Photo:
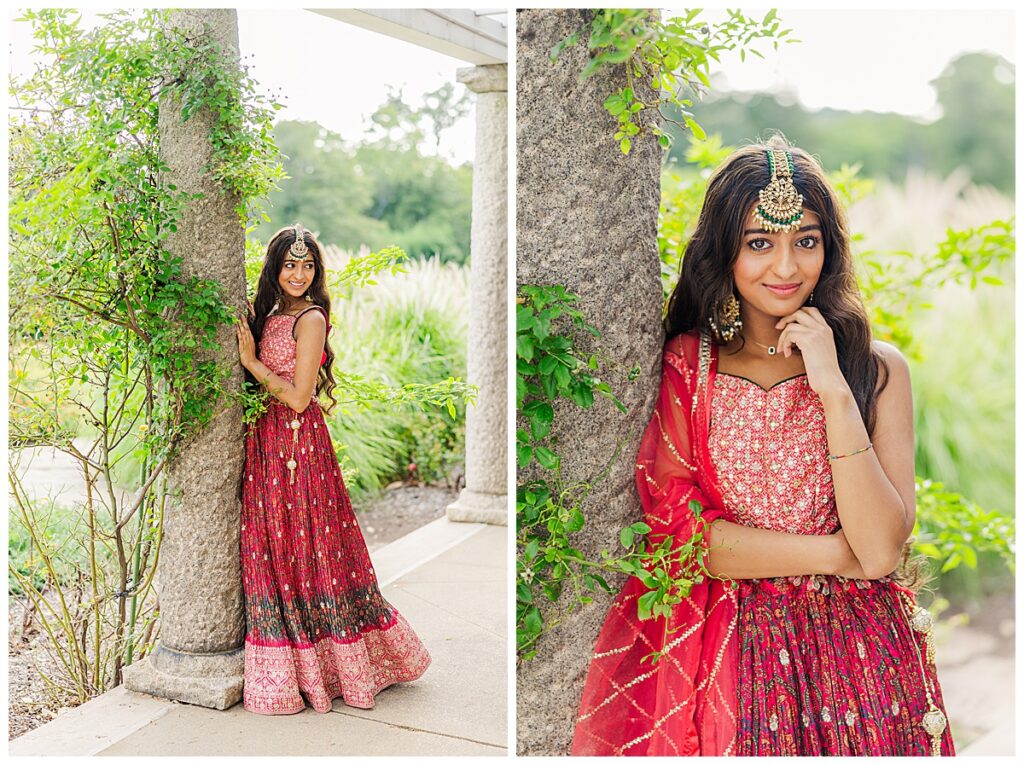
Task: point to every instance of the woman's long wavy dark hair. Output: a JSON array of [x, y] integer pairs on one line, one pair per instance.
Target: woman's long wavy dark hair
[[706, 278], [268, 292]]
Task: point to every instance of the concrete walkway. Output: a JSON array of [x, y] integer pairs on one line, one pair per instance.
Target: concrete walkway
[[976, 674], [448, 579]]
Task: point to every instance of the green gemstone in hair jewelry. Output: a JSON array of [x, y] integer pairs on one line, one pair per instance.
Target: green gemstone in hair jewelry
[[780, 206]]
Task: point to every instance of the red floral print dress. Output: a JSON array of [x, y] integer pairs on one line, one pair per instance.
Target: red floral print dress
[[316, 624], [827, 665]]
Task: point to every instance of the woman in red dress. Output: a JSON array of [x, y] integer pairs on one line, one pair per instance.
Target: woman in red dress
[[316, 624], [793, 431]]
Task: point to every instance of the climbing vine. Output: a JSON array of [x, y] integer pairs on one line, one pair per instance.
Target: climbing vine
[[549, 509], [672, 56], [112, 346]]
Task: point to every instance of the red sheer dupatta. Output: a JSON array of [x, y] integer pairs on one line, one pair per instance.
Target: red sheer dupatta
[[685, 703]]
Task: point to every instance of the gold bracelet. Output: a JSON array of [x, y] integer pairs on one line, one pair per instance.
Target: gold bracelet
[[834, 457]]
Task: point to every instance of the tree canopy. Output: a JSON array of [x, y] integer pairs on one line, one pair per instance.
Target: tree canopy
[[976, 130], [383, 190]]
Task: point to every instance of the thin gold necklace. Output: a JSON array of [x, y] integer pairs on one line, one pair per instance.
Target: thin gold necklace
[[772, 351]]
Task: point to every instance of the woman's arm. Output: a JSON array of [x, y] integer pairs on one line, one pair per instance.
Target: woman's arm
[[311, 333], [668, 481], [875, 489], [744, 552]]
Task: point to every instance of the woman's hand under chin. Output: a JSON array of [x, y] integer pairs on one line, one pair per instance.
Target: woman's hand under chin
[[807, 331]]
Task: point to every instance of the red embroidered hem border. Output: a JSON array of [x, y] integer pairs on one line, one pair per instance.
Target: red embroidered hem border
[[354, 671]]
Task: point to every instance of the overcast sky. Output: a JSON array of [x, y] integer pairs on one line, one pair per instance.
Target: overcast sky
[[338, 74], [875, 60]]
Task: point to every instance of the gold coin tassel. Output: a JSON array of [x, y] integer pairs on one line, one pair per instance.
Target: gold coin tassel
[[933, 721], [292, 464]]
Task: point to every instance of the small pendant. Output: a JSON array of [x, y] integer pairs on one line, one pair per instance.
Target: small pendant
[[771, 350], [934, 723], [921, 621]]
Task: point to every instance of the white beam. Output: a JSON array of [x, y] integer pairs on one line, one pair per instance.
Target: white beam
[[459, 33]]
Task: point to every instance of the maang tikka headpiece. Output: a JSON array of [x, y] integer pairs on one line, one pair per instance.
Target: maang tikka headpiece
[[781, 207], [298, 251]]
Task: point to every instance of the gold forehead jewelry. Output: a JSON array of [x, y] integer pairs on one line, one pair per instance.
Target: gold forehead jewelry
[[780, 207], [298, 252]]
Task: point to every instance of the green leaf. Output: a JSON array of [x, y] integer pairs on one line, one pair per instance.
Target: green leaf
[[952, 562], [532, 620], [970, 556], [539, 428], [562, 376], [696, 129], [524, 347], [524, 455], [582, 396], [644, 604], [546, 457], [575, 523], [542, 411], [524, 317], [531, 549]]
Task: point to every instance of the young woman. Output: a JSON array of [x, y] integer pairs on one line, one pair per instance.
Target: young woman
[[794, 432], [316, 622]]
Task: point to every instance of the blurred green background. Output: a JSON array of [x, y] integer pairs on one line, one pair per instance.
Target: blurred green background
[[914, 180]]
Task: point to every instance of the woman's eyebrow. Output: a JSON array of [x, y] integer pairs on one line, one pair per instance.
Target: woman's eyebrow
[[810, 227]]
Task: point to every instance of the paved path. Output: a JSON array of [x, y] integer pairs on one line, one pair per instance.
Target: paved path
[[448, 580], [976, 672]]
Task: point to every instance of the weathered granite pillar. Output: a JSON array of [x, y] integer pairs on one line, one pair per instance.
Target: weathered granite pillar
[[485, 498], [586, 218], [199, 658]]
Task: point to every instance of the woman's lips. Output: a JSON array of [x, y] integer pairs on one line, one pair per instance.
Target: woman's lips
[[783, 289]]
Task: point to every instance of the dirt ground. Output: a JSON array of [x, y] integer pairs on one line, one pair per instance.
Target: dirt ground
[[400, 511], [392, 515]]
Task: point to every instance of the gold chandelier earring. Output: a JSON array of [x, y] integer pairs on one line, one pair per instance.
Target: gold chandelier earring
[[725, 319]]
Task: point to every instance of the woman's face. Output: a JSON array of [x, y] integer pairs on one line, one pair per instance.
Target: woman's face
[[776, 272], [295, 278]]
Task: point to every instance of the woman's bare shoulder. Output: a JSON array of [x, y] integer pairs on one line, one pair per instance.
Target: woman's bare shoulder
[[311, 319], [897, 375]]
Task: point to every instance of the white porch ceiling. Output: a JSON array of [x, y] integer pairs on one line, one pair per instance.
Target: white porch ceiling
[[475, 36]]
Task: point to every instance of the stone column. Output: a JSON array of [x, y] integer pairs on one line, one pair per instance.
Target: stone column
[[199, 658], [485, 498], [586, 218]]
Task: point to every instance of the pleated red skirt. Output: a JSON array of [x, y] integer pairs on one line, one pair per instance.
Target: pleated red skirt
[[316, 623]]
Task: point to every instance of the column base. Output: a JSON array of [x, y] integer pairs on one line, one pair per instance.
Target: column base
[[475, 507], [206, 680]]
